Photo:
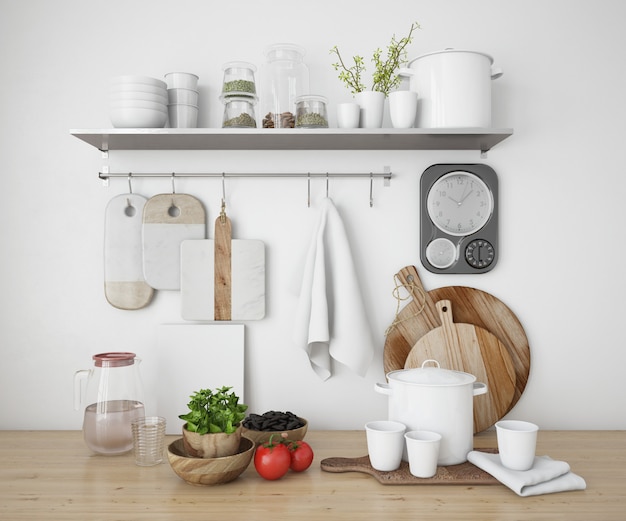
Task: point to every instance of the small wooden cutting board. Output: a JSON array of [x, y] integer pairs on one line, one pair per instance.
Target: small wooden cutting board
[[463, 474], [473, 350]]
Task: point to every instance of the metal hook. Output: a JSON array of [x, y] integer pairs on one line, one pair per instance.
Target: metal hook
[[223, 209], [371, 189], [326, 184], [130, 184], [173, 184], [308, 186]]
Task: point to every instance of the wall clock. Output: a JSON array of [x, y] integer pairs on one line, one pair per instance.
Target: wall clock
[[459, 218]]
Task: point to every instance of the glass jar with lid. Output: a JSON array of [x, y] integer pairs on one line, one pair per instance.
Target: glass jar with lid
[[284, 77], [239, 112], [239, 79], [311, 111]]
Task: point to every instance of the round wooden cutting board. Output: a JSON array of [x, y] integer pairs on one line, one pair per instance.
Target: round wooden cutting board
[[473, 350], [471, 306]]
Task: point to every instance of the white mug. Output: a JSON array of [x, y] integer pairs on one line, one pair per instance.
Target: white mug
[[423, 451], [385, 443], [517, 442], [403, 108], [348, 115]]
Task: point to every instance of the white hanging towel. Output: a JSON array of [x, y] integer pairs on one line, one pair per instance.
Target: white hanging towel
[[330, 318]]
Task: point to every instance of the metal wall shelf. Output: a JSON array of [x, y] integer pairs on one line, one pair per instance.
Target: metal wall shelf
[[482, 139]]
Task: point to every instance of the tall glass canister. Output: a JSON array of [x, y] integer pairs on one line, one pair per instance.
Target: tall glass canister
[[284, 76]]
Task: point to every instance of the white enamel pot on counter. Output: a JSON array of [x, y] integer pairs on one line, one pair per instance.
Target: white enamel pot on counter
[[453, 88], [429, 398]]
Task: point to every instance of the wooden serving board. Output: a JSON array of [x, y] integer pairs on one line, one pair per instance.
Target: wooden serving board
[[463, 474], [222, 279], [169, 219], [471, 306], [124, 284], [474, 350]]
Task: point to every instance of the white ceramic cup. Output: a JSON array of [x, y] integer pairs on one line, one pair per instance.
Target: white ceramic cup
[[385, 443], [517, 443], [348, 115], [403, 108], [423, 451]]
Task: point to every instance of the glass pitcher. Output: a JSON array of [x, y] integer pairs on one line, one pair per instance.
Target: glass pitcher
[[114, 397]]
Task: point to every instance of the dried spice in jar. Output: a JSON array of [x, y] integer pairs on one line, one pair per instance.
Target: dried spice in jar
[[283, 120], [238, 112], [311, 111], [239, 79]]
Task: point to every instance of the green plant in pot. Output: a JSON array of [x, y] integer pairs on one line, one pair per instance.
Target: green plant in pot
[[385, 77], [213, 428]]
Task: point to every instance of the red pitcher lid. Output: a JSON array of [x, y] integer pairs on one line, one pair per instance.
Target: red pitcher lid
[[118, 359]]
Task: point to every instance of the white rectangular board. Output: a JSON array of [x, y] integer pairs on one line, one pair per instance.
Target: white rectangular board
[[191, 357]]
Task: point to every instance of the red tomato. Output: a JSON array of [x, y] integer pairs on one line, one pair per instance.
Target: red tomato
[[272, 460], [301, 455]]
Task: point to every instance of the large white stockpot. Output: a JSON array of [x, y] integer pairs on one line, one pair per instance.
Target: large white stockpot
[[435, 399], [453, 88]]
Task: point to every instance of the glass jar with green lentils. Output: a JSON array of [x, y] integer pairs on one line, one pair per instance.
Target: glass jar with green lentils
[[239, 79]]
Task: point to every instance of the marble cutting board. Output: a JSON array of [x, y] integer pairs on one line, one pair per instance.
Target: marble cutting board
[[124, 284], [169, 219], [222, 279]]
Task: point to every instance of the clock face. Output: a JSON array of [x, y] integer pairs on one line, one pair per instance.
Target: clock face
[[459, 203]]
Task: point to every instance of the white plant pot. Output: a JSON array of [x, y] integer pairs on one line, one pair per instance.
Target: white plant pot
[[372, 105]]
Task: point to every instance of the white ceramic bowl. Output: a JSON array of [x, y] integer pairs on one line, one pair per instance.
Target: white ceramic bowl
[[139, 104], [185, 96], [137, 87], [183, 116], [181, 80], [138, 96], [144, 80], [136, 117]]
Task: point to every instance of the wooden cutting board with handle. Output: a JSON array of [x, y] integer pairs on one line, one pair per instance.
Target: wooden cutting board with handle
[[124, 283], [473, 350], [169, 219], [462, 474], [471, 306], [222, 279]]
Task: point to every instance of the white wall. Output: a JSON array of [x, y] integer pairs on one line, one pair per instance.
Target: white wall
[[562, 186]]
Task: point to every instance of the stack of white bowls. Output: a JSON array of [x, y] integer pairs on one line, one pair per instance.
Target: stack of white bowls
[[182, 92], [138, 102]]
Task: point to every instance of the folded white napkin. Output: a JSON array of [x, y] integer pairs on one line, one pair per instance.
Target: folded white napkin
[[545, 477], [330, 321]]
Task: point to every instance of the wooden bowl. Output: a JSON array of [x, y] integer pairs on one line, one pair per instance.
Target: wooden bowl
[[209, 471], [260, 437]]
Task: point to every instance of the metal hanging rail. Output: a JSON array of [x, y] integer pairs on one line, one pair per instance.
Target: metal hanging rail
[[106, 175]]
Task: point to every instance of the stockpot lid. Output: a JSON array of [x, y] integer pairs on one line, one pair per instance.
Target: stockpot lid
[[431, 376], [450, 50]]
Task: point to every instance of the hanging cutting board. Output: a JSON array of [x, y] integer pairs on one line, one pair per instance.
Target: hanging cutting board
[[473, 350], [190, 357], [169, 219], [124, 283], [471, 306], [222, 279]]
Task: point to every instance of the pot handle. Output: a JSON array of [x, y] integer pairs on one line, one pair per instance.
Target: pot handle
[[383, 389], [496, 72], [480, 388], [404, 72]]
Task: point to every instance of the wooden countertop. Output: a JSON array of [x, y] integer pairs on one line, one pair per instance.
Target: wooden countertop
[[52, 475]]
